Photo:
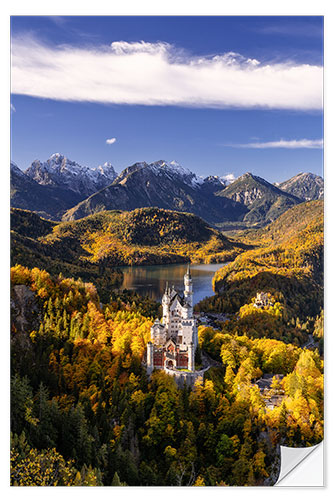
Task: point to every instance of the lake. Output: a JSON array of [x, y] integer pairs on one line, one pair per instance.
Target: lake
[[151, 280]]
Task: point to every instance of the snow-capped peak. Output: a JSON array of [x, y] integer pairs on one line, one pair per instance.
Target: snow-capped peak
[[174, 168], [62, 172], [172, 165], [106, 169], [57, 157], [215, 179]]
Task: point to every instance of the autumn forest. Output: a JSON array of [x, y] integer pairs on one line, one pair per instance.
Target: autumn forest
[[83, 410]]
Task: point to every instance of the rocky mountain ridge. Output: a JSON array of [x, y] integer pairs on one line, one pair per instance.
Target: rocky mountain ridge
[[305, 186], [61, 188], [48, 201], [164, 185], [264, 201]]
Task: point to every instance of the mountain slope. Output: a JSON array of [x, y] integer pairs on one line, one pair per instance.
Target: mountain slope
[[305, 186], [288, 226], [161, 185], [59, 171], [49, 201], [263, 201]]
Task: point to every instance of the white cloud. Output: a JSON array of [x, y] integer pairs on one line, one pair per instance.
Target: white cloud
[[291, 144], [122, 47], [111, 141], [159, 74], [228, 178]]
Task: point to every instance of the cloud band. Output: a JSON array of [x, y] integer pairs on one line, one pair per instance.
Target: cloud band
[[158, 74], [291, 144]]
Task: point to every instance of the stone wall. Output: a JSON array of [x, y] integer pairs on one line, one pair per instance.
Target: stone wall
[[187, 378]]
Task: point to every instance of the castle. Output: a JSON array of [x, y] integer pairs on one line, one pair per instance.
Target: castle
[[262, 300], [175, 337]]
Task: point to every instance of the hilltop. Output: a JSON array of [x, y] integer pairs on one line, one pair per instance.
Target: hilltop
[[91, 247]]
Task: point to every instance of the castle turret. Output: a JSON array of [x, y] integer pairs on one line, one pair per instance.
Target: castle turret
[[150, 358], [191, 365], [188, 293], [186, 313], [166, 306]]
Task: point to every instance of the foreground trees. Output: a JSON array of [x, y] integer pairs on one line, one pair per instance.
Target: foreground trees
[[83, 411]]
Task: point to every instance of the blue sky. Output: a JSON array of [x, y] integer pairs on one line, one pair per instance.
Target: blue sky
[[220, 95]]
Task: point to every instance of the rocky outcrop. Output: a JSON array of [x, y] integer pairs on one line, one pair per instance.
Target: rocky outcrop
[[25, 314]]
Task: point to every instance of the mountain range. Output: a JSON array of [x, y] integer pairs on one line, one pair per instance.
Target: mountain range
[[62, 189]]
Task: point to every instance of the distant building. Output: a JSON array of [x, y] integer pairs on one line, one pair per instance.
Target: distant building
[[174, 339], [262, 300]]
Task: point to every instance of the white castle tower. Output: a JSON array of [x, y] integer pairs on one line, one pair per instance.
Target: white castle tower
[[188, 292], [166, 305]]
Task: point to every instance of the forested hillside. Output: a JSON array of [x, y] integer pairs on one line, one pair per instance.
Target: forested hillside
[[83, 411], [28, 248], [286, 262]]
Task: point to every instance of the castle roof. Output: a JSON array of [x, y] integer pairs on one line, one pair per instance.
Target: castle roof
[[180, 299], [170, 295]]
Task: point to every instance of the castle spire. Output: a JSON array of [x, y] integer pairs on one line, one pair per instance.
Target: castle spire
[[188, 292], [188, 273]]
